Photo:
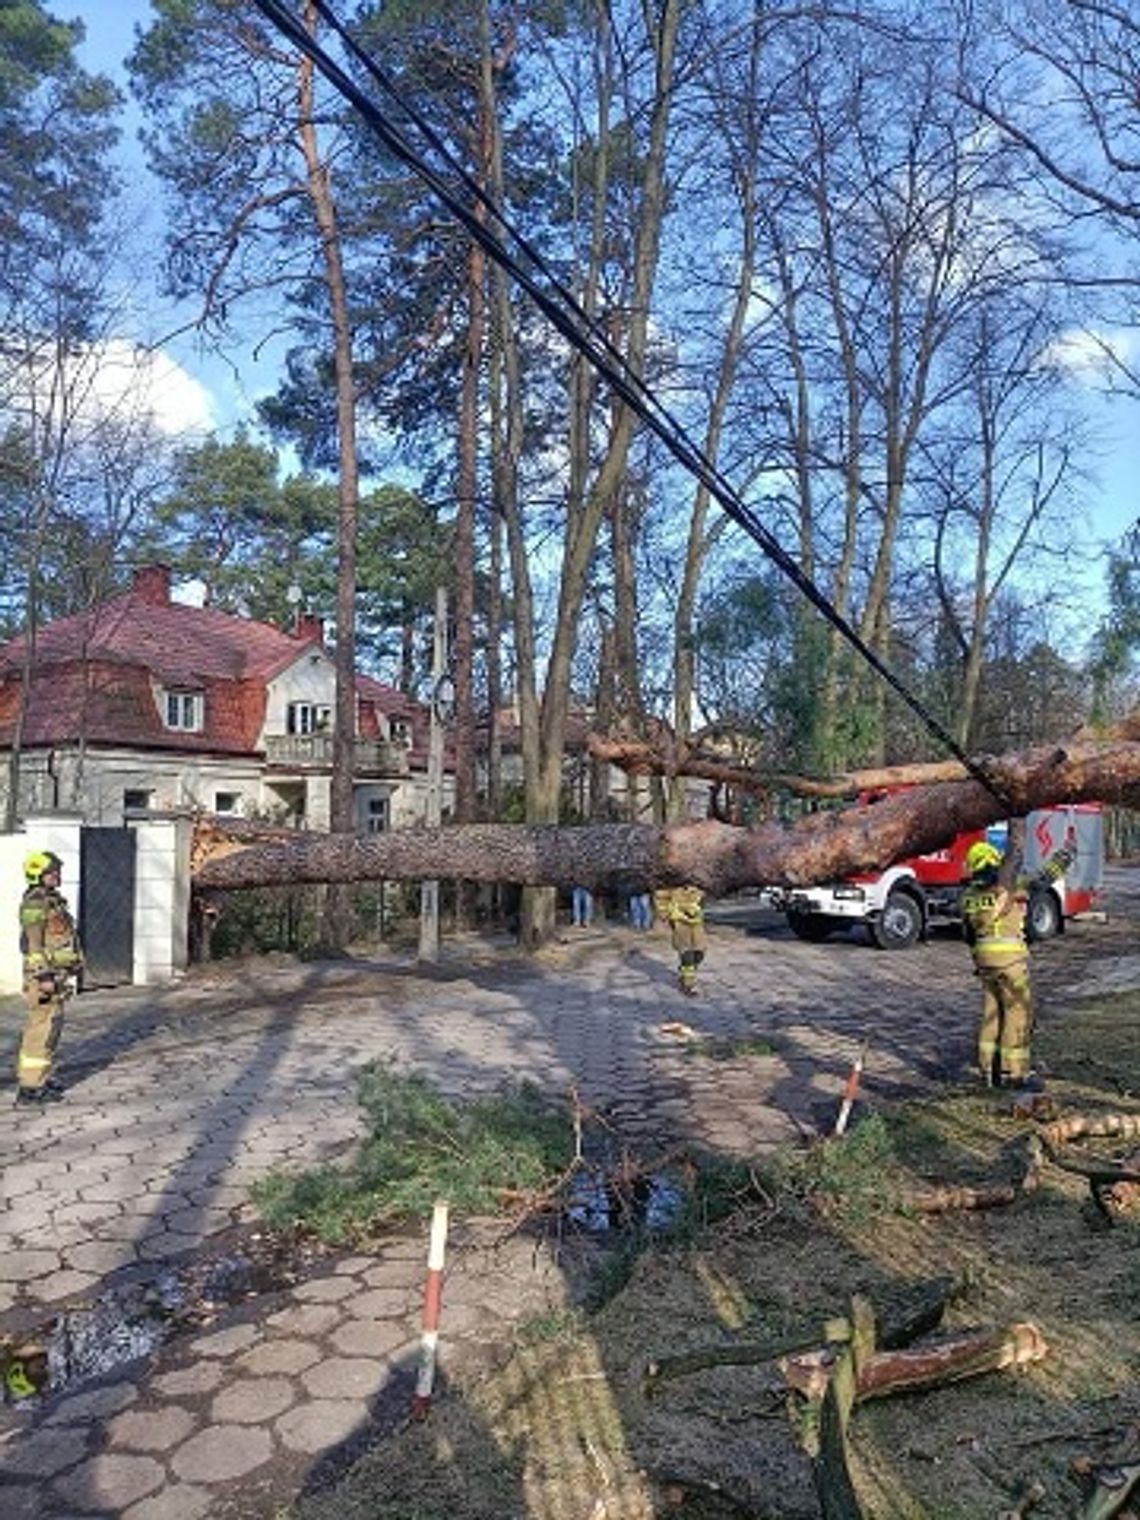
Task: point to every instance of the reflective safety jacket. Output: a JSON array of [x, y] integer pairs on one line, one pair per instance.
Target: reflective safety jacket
[[679, 905], [993, 914], [48, 938]]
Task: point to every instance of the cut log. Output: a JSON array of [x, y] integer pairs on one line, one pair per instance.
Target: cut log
[[927, 1366], [959, 1356], [944, 1200], [715, 856], [916, 1313]]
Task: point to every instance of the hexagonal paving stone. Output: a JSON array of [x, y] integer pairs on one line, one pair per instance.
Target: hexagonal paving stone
[[179, 1501], [278, 1357], [353, 1264], [64, 1284], [249, 1401], [305, 1319], [382, 1303], [347, 1377], [222, 1452], [320, 1425], [110, 1481], [370, 1337], [225, 1342], [202, 1377], [26, 1266], [151, 1430], [99, 1255], [324, 1290]]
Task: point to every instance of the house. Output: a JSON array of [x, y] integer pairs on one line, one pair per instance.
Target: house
[[145, 704]]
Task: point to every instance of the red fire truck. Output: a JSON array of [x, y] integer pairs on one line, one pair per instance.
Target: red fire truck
[[899, 904]]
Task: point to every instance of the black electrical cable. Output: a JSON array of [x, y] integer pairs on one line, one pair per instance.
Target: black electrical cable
[[580, 331]]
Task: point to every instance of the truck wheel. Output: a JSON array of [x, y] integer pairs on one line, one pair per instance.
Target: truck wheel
[[813, 927], [899, 925], [1043, 915]]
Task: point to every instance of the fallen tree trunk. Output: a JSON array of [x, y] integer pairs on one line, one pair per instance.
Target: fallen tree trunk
[[715, 856]]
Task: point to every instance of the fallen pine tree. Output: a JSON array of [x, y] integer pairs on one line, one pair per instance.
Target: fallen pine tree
[[719, 857]]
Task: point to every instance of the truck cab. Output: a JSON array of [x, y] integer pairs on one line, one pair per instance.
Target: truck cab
[[899, 905]]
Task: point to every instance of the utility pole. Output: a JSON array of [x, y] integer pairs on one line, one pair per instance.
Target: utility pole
[[440, 711]]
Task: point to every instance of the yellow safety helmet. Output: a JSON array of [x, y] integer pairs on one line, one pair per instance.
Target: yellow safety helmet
[[982, 856], [39, 863]]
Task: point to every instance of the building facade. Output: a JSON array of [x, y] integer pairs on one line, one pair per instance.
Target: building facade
[[144, 704]]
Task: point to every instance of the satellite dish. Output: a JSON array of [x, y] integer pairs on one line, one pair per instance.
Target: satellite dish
[[294, 596]]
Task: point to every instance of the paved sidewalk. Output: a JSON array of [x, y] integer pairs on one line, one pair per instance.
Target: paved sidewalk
[[181, 1097]]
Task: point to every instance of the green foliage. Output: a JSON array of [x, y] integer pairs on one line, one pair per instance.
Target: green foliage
[[420, 1147], [851, 1177]]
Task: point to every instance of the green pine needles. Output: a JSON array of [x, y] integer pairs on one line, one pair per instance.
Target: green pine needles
[[484, 1156]]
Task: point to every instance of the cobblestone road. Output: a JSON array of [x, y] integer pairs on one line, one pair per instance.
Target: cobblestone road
[[179, 1098]]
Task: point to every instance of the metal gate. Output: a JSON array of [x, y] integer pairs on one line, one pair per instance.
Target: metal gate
[[107, 905]]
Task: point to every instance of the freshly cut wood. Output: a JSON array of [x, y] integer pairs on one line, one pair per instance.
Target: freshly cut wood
[[1101, 1172], [944, 1200], [928, 1366], [957, 1357], [917, 1312], [718, 857]]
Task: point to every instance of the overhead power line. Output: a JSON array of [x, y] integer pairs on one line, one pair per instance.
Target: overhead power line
[[517, 255]]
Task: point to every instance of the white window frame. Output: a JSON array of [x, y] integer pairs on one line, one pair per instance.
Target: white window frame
[[308, 718], [231, 812], [183, 711]]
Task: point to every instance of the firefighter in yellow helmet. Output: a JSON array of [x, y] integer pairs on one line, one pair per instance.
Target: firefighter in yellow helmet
[[682, 909], [993, 905], [50, 947]]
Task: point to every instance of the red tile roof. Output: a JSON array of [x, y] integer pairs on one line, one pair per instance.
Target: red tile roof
[[96, 673], [182, 646]]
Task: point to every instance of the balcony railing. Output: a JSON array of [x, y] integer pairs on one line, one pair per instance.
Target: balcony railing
[[374, 757]]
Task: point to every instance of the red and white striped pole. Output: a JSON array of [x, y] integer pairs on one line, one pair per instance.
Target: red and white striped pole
[[850, 1092], [433, 1299]]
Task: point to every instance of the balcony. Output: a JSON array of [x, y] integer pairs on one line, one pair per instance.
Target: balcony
[[313, 752]]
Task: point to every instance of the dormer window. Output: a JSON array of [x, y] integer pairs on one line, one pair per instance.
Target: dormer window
[[184, 711], [307, 718], [400, 731]]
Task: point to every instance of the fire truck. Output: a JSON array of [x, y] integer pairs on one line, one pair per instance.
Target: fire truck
[[898, 905]]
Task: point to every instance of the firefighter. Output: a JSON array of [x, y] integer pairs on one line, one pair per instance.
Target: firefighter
[[50, 947], [681, 908], [993, 905]]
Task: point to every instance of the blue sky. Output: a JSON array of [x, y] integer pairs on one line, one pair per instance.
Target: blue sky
[[1112, 501]]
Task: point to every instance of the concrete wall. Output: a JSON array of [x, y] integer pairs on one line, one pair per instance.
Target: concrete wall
[[162, 898]]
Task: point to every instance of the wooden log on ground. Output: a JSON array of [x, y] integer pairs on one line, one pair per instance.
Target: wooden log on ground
[[917, 1312], [929, 1366], [944, 1200]]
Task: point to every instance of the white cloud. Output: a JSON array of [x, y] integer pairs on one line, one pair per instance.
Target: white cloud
[[112, 381], [1092, 355], [138, 380]]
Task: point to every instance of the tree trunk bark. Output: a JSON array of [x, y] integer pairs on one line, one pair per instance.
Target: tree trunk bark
[[717, 857], [337, 911]]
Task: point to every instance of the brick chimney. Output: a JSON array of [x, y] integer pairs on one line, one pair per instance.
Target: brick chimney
[[308, 627], [152, 584]]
